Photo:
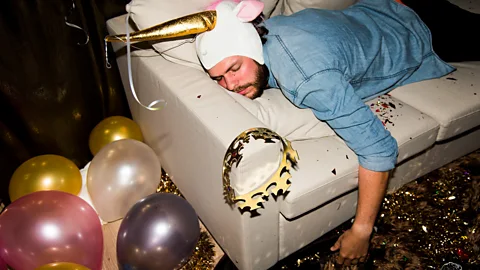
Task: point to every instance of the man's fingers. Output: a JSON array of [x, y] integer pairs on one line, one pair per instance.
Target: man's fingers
[[336, 245], [354, 261], [346, 262]]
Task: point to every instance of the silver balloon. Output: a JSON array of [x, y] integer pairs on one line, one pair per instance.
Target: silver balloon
[[159, 232], [120, 174]]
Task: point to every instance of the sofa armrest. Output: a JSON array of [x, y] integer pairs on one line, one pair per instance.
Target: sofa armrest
[[191, 136]]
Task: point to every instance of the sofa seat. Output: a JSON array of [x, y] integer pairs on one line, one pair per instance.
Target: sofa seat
[[453, 100], [329, 170], [433, 110]]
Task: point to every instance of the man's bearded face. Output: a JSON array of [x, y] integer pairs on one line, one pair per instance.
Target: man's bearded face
[[241, 75]]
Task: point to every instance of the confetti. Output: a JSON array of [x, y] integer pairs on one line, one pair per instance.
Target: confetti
[[199, 96], [334, 171], [420, 226], [384, 108]]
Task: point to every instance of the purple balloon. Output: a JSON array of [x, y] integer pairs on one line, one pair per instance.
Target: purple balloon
[[159, 232], [50, 226]]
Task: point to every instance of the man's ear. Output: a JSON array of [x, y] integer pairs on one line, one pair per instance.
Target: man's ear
[[248, 10]]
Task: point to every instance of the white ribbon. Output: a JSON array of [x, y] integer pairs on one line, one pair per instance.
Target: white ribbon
[[150, 107]]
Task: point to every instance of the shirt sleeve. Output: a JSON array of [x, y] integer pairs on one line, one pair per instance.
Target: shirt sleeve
[[334, 100]]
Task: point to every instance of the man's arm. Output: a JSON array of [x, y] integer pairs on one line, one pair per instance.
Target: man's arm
[[334, 100], [371, 190], [353, 244]]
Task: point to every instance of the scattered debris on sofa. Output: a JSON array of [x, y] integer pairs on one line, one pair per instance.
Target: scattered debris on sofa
[[384, 108]]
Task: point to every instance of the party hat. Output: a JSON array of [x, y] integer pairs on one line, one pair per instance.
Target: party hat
[[181, 27]]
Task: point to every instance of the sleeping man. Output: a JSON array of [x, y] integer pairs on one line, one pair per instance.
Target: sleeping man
[[332, 62]]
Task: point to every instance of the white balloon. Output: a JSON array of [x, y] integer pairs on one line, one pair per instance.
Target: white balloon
[[84, 191], [119, 175]]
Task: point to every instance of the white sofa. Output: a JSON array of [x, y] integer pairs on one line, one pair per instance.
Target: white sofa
[[434, 123]]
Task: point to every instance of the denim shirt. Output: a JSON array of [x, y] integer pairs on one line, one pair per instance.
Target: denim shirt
[[334, 61]]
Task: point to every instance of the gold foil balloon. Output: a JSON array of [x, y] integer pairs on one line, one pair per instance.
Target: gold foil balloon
[[112, 129], [62, 266], [45, 172]]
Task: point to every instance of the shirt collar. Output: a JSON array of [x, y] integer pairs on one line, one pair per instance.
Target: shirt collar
[[272, 83]]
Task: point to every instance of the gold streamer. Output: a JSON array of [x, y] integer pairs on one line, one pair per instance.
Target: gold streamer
[[202, 257], [166, 185]]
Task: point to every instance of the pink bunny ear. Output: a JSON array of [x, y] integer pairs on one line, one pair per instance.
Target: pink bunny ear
[[248, 10], [213, 5]]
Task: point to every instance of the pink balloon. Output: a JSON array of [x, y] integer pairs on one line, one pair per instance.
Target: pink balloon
[[3, 265], [50, 226]]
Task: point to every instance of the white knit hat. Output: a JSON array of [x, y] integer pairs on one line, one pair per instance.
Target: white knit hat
[[233, 34]]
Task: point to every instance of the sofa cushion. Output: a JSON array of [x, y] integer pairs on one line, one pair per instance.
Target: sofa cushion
[[328, 168], [261, 160], [280, 115], [453, 100], [472, 6], [147, 13]]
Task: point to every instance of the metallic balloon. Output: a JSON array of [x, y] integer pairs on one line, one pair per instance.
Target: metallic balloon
[[159, 232], [47, 226], [3, 265], [112, 129], [62, 266], [119, 175], [46, 172]]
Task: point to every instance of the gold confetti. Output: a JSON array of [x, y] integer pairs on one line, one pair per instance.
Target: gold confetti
[[426, 223]]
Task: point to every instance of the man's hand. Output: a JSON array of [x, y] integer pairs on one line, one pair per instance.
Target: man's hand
[[353, 245]]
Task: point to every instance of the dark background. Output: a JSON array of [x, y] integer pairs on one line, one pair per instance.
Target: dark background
[[54, 88]]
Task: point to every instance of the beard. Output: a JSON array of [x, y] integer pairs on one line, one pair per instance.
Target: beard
[[259, 84]]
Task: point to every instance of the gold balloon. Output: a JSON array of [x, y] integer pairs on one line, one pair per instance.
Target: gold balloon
[[45, 172], [62, 266], [112, 129]]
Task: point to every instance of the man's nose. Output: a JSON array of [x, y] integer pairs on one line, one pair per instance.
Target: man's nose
[[230, 83]]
